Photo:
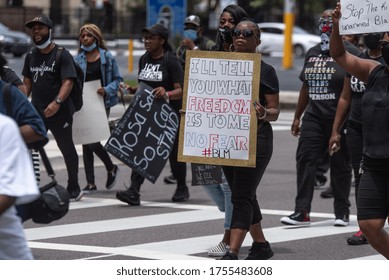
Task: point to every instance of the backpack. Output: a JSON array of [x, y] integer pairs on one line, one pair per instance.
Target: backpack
[[78, 84]]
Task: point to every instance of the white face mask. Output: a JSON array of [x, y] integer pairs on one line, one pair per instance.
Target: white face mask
[[45, 43]]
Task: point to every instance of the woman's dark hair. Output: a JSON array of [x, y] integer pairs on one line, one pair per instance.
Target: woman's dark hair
[[238, 14]]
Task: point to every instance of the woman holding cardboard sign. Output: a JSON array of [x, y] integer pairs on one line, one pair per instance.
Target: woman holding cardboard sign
[[244, 181], [160, 69]]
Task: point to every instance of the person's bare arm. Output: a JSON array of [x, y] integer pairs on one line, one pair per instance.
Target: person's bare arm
[[354, 65], [302, 103]]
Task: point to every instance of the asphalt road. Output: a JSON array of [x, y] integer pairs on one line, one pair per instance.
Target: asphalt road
[[100, 227]]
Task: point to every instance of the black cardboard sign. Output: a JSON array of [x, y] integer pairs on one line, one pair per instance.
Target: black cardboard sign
[[144, 136]]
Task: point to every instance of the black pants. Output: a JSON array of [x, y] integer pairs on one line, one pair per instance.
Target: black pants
[[244, 181], [312, 146], [62, 132], [355, 146], [87, 154]]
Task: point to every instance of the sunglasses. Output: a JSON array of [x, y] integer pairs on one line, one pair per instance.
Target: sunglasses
[[384, 43], [247, 33]]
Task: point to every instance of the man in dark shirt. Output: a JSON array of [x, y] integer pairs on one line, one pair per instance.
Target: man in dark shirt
[[50, 84]]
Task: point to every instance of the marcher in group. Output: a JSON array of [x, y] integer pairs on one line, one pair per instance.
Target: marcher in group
[[31, 125], [322, 85], [193, 38], [244, 181], [50, 85], [160, 69], [17, 186], [98, 63], [357, 41], [349, 109], [221, 193], [373, 199]]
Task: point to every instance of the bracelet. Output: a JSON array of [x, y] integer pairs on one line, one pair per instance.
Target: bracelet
[[166, 95], [169, 94], [263, 116]]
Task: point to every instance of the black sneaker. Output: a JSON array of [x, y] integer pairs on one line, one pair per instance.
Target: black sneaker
[[341, 220], [320, 181], [76, 195], [129, 196], [229, 256], [89, 189], [181, 194], [297, 218], [260, 251], [357, 239], [170, 180], [111, 177], [327, 193]]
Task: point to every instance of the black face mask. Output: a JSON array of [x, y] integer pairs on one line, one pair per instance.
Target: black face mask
[[226, 34], [385, 54], [372, 41]]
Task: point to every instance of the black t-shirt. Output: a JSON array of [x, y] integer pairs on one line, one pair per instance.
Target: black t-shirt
[[375, 114], [269, 82], [47, 76], [324, 78], [93, 71], [164, 71], [358, 89]]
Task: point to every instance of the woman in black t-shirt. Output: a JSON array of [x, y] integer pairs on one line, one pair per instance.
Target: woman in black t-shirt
[[160, 69], [244, 181], [373, 194]]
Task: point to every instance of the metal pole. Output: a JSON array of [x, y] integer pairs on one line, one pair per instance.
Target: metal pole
[[287, 61], [130, 56]]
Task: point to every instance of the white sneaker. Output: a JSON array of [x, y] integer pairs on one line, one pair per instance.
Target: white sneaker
[[219, 250]]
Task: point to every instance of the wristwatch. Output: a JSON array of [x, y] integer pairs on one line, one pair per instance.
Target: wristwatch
[[58, 100]]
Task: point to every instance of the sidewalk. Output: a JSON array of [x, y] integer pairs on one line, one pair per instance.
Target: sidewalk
[[288, 100]]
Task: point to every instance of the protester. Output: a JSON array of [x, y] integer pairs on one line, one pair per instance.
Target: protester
[[160, 69], [98, 63], [192, 38], [17, 186], [349, 108], [221, 193], [50, 84], [244, 181], [322, 85], [373, 200]]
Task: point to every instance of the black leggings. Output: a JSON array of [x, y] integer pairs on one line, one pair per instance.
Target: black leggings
[[244, 181]]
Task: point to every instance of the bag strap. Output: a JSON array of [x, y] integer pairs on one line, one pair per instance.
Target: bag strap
[[7, 98], [46, 162]]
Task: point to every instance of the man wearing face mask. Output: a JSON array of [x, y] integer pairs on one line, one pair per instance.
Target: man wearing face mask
[[192, 38], [322, 85], [50, 84], [349, 107]]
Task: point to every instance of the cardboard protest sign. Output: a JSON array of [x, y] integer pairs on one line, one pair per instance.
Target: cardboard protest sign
[[144, 136], [364, 16], [219, 125], [206, 174], [90, 124]]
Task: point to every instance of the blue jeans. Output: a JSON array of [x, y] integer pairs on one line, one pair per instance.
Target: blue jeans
[[221, 195]]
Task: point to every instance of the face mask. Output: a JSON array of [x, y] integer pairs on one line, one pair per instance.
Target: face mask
[[190, 34], [385, 54], [325, 28], [372, 41], [46, 40], [90, 48], [226, 35]]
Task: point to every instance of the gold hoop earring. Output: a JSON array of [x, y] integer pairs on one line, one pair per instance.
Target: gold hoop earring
[[231, 48]]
